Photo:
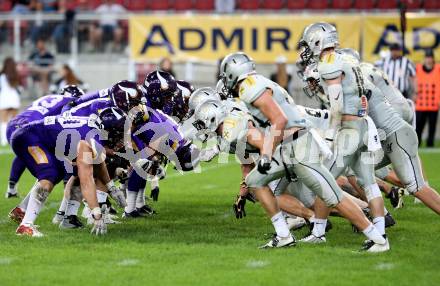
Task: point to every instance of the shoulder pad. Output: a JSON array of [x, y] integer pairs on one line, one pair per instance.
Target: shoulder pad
[[330, 66], [235, 126], [252, 87]]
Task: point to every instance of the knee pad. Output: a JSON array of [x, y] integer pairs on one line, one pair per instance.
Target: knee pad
[[372, 192]]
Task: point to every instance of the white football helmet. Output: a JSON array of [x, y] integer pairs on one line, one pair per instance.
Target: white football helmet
[[209, 115], [201, 95], [235, 67], [317, 37]]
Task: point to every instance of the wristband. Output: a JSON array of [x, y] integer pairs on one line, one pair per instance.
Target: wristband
[[96, 211]]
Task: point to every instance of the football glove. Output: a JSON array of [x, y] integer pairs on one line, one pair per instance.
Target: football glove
[[99, 226], [238, 207], [264, 164], [118, 196], [206, 155]]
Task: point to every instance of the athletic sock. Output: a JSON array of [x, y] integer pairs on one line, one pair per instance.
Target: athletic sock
[[280, 225], [373, 234], [72, 208], [34, 206], [140, 199], [131, 201], [24, 203], [379, 223], [154, 183], [319, 227], [63, 206], [12, 189], [3, 139]]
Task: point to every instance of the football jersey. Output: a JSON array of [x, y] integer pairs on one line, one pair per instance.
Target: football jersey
[[62, 134], [160, 133], [89, 107], [103, 93], [391, 93], [48, 105], [254, 86], [333, 65]]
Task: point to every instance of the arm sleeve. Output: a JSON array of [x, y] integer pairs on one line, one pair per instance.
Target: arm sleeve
[[336, 108]]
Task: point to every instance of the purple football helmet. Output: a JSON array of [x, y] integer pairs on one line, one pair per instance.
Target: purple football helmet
[[161, 88], [126, 95], [112, 120], [72, 90], [186, 88]]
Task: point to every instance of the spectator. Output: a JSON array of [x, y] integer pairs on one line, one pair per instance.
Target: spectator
[[21, 6], [108, 28], [281, 76], [63, 32], [9, 96], [428, 97], [224, 6], [400, 71], [166, 65], [42, 65], [68, 77]]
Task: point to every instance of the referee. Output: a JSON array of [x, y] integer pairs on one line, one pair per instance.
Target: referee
[[400, 70]]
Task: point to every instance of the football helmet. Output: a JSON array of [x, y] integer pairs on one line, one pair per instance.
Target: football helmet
[[209, 115], [112, 121], [316, 38], [71, 90], [161, 89], [201, 95], [126, 95], [235, 67]]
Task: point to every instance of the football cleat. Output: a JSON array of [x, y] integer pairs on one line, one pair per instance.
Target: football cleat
[[396, 197], [146, 210], [59, 216], [133, 214], [371, 246], [295, 223], [278, 242], [28, 230], [71, 222], [389, 220], [12, 192], [312, 239], [17, 214]]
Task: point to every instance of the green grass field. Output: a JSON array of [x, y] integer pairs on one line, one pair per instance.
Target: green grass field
[[196, 240]]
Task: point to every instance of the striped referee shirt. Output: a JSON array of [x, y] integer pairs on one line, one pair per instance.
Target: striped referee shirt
[[399, 71]]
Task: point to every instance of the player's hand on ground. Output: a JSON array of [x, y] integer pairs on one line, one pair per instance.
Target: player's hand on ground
[[118, 196], [238, 207], [99, 226], [206, 155]]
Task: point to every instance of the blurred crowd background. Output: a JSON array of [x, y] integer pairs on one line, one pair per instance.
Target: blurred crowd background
[[46, 44]]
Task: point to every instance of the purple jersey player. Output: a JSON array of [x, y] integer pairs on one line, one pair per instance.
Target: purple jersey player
[[49, 145], [45, 106], [159, 135]]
